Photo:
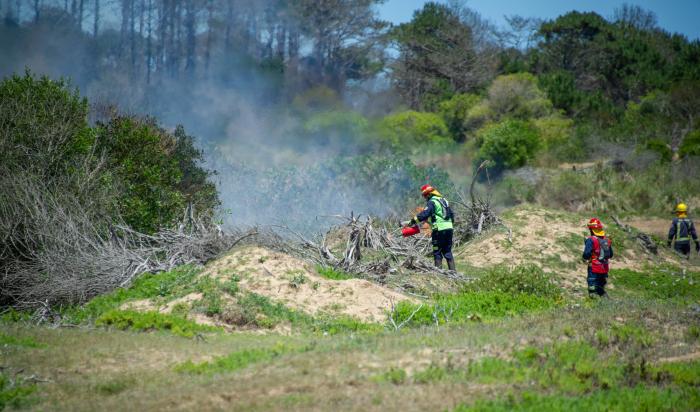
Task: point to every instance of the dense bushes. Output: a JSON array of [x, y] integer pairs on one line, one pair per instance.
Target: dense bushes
[[508, 144], [64, 185]]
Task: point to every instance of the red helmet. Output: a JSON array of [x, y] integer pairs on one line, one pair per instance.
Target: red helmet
[[594, 224], [427, 189]]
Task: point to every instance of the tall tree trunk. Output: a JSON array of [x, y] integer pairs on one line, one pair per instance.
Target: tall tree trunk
[[81, 9], [132, 35], [149, 41], [210, 36], [37, 6], [96, 19], [229, 25], [281, 36], [190, 37]]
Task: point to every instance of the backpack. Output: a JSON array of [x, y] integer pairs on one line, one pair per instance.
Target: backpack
[[446, 209]]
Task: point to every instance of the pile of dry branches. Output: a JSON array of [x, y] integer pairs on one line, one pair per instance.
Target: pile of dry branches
[[52, 252], [342, 246]]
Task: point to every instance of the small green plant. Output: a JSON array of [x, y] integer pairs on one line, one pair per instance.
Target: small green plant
[[693, 333], [115, 386], [332, 273], [14, 392], [236, 360], [28, 342], [297, 280], [397, 376], [150, 321]]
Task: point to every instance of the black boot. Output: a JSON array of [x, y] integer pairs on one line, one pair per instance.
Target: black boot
[[451, 264], [438, 262]]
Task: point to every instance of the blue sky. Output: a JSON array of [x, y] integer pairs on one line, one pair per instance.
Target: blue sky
[[681, 16]]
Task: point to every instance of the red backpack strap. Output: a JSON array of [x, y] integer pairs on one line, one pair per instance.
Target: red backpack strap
[[596, 245]]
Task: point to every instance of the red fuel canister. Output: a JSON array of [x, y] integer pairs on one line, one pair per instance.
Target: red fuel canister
[[410, 231]]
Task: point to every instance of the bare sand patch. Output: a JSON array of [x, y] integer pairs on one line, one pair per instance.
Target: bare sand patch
[[288, 280]]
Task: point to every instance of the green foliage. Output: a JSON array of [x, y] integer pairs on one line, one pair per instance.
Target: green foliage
[[638, 398], [508, 144], [43, 126], [661, 148], [690, 145], [157, 173], [268, 314], [659, 284], [115, 386], [174, 283], [14, 393], [437, 57], [397, 376], [527, 279], [517, 96], [410, 130], [499, 292], [151, 321], [336, 128], [457, 114], [333, 274], [28, 342], [236, 360], [625, 335]]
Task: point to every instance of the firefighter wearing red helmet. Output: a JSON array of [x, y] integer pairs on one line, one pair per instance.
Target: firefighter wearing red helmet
[[438, 212], [597, 251]]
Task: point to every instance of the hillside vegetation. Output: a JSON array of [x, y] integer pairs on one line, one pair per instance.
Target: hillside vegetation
[[145, 268]]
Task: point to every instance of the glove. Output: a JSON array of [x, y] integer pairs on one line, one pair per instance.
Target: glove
[[412, 222], [668, 243], [697, 247]]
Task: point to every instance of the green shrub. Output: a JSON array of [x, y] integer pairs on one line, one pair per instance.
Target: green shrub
[[528, 279], [397, 376], [151, 321], [661, 148], [509, 144], [406, 130], [333, 274], [690, 145], [455, 112], [174, 283], [14, 393], [517, 96]]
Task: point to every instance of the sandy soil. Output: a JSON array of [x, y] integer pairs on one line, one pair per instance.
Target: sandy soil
[[286, 279], [548, 240]]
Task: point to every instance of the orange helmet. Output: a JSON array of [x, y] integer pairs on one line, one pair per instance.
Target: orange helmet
[[594, 224], [426, 190]]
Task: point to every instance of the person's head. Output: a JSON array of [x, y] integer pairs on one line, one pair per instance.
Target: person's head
[[596, 227], [427, 191], [681, 210]]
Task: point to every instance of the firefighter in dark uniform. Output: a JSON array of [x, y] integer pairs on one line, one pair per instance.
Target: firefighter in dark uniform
[[439, 214], [597, 251], [681, 231]]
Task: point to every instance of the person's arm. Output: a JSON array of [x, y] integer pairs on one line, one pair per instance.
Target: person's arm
[[587, 249], [426, 213], [694, 235], [611, 251], [672, 232]]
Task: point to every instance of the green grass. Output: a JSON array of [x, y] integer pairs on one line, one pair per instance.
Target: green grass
[[236, 360], [175, 283], [496, 293], [152, 321], [27, 342], [638, 398], [269, 314], [333, 274], [15, 393], [662, 283]]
